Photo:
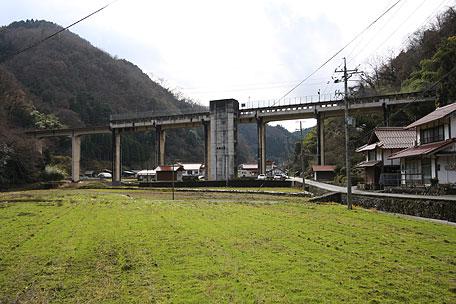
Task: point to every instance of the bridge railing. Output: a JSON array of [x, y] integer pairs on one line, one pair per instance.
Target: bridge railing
[[156, 114], [324, 98]]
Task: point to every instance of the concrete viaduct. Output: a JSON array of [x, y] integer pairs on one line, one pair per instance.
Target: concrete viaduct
[[220, 128]]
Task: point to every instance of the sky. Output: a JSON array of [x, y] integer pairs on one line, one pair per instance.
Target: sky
[[255, 51]]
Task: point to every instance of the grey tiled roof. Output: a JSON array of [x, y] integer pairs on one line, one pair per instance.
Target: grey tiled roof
[[437, 114]]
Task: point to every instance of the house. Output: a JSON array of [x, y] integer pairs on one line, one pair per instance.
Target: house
[[146, 175], [250, 170], [129, 173], [89, 173], [169, 173], [192, 171], [383, 142], [433, 158], [324, 172], [272, 168]]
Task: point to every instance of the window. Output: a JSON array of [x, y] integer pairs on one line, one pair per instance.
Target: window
[[432, 135], [371, 155]]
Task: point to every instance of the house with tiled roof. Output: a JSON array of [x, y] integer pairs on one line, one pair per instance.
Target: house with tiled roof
[[433, 157], [384, 141]]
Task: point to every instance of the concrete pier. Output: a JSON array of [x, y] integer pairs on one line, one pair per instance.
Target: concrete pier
[[160, 140], [75, 157], [223, 139], [261, 132], [116, 158], [320, 139]]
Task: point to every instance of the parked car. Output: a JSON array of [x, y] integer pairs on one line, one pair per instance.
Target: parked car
[[104, 175], [261, 177], [279, 177]]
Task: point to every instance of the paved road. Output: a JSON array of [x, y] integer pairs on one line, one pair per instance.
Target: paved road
[[335, 188]]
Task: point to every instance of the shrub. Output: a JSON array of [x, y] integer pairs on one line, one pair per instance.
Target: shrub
[[52, 173]]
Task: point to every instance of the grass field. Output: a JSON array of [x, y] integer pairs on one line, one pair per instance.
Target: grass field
[[115, 246]]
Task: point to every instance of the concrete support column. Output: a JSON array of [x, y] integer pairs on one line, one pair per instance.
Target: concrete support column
[[39, 145], [386, 121], [207, 150], [75, 157], [223, 139], [320, 139], [261, 132], [160, 139], [116, 158]]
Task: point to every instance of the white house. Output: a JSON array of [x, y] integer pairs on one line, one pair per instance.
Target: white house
[[384, 141], [146, 175], [433, 158], [247, 170], [191, 170]]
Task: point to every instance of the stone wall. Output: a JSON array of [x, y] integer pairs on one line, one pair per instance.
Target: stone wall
[[429, 208]]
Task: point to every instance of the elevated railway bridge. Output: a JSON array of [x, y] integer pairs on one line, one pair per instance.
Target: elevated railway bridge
[[220, 123]]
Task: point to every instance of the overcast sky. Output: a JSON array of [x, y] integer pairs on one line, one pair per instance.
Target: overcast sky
[[249, 50]]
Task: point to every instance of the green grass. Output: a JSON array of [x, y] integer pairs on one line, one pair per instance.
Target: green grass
[[259, 189], [100, 246]]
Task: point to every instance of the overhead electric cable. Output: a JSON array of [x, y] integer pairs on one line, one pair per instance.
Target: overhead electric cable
[[339, 51], [390, 35], [54, 34], [374, 35]]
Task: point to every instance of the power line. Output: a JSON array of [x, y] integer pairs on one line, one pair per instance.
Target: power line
[[339, 51], [54, 34], [391, 35], [374, 35]]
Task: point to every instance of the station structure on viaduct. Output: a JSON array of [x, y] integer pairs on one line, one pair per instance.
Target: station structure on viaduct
[[220, 124]]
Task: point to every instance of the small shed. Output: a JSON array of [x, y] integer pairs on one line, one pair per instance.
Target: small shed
[[89, 173], [146, 176], [169, 173], [324, 172]]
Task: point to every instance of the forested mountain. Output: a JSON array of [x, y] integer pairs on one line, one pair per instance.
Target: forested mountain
[[65, 81], [428, 62]]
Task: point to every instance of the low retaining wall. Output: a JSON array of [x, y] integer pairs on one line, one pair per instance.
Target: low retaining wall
[[231, 183], [429, 208]]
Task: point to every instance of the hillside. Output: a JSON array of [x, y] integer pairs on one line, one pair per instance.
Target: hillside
[[77, 82], [428, 60], [66, 81]]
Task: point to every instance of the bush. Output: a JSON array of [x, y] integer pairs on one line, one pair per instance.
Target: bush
[[52, 173]]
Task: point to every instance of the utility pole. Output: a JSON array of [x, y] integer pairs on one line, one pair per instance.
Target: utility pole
[[302, 160], [348, 123]]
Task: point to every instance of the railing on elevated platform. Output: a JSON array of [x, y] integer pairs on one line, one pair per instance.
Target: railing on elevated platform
[[391, 94]]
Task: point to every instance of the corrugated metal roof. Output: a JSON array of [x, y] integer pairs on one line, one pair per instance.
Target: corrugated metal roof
[[146, 172], [191, 166], [437, 114], [323, 168], [422, 149], [368, 163]]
